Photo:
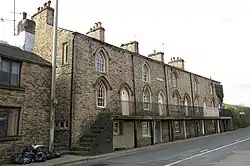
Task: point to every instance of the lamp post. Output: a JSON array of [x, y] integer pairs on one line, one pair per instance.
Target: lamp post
[[53, 84]]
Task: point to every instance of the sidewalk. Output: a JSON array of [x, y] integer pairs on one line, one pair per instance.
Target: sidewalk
[[68, 159]]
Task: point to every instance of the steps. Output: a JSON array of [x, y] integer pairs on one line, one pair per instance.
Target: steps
[[97, 134]]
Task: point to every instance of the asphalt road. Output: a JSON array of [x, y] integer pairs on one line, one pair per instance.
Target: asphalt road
[[226, 149]]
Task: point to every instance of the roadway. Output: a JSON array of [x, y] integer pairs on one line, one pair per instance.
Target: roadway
[[226, 149]]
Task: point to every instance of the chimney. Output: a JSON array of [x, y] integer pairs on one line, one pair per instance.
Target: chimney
[[25, 33], [177, 62], [159, 56], [132, 46], [97, 32], [44, 14]]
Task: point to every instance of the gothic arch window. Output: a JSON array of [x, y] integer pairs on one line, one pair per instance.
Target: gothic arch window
[[205, 103], [187, 101], [196, 101], [176, 98], [146, 98], [101, 95], [161, 102], [145, 73], [212, 103], [100, 62], [174, 80]]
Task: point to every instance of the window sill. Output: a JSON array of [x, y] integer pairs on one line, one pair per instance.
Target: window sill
[[146, 136], [12, 138], [9, 87]]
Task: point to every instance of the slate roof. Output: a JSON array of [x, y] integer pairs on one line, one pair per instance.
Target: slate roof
[[17, 53]]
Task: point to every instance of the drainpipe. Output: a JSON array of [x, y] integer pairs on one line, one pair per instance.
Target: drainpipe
[[167, 106], [133, 72], [192, 96], [71, 92]]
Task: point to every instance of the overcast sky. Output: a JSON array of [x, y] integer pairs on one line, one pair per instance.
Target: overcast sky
[[212, 36]]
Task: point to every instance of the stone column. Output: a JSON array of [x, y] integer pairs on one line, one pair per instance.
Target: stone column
[[202, 127], [218, 126], [185, 129]]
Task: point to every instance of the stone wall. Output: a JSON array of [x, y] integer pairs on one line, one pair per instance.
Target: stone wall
[[118, 74], [34, 100], [43, 48]]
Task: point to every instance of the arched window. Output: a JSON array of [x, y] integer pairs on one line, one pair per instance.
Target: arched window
[[100, 62], [196, 101], [145, 73], [212, 104], [205, 103], [174, 80], [176, 98], [146, 98], [101, 95], [161, 102]]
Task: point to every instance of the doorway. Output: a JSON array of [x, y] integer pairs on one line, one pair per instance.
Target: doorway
[[125, 101], [157, 132]]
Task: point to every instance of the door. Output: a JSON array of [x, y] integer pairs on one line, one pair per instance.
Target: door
[[125, 102], [157, 132], [186, 106], [161, 102]]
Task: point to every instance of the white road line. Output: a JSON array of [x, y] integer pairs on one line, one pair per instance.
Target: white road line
[[204, 150], [200, 154]]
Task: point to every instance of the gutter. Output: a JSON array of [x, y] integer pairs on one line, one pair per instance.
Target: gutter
[[170, 129], [192, 97], [133, 72], [71, 91]]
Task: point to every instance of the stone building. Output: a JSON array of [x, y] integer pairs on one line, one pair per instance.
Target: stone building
[[24, 100], [112, 97]]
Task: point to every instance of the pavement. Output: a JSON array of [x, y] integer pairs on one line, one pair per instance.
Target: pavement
[[225, 149]]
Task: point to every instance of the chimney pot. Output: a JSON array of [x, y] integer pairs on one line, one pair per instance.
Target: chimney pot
[[100, 24], [45, 5], [38, 9], [24, 15], [49, 2], [41, 8], [96, 24]]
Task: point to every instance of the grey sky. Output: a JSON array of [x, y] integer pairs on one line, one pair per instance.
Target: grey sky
[[212, 36]]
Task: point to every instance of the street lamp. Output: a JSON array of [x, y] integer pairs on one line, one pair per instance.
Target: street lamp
[[53, 83]]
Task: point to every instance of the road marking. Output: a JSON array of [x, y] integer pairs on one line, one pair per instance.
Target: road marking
[[216, 149], [204, 150]]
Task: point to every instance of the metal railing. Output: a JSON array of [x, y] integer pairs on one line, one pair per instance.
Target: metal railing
[[152, 109]]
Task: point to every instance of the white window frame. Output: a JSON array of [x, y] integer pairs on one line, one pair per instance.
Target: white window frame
[[104, 95], [65, 53], [211, 89], [100, 54], [147, 134], [146, 103]]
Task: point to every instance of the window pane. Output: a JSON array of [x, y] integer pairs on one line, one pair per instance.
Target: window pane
[[3, 116], [12, 122], [15, 71], [5, 72], [101, 95], [100, 64]]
